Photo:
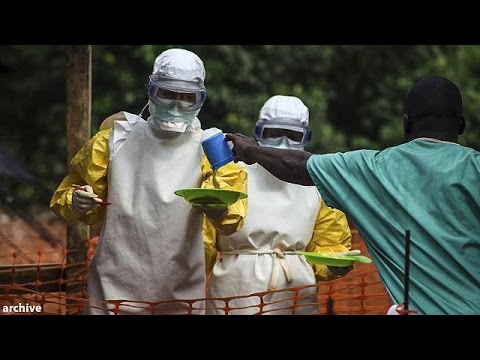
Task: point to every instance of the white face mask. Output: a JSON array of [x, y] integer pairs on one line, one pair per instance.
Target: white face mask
[[172, 119]]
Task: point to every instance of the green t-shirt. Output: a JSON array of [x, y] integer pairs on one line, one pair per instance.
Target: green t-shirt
[[428, 187]]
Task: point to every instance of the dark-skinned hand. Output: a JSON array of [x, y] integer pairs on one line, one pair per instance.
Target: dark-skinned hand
[[241, 145]]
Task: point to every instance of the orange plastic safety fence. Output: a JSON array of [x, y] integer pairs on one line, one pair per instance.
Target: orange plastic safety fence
[[359, 292], [40, 282]]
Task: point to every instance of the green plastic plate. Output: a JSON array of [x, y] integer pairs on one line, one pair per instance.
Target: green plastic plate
[[211, 197], [334, 260]]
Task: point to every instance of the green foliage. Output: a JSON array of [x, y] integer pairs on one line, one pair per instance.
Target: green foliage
[[354, 93]]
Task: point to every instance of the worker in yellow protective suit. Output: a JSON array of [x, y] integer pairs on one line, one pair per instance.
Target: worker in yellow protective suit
[[282, 218], [150, 246]]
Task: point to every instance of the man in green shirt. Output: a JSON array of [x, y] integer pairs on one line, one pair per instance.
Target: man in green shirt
[[429, 185]]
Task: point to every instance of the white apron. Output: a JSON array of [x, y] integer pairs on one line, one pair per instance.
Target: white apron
[[150, 247], [278, 212]]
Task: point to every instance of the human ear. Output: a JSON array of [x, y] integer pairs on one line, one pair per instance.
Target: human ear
[[463, 124], [407, 124]]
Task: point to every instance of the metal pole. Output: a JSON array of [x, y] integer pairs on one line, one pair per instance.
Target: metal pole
[[406, 280], [78, 119]]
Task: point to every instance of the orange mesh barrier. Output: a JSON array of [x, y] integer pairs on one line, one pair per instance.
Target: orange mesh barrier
[[356, 293], [35, 282]]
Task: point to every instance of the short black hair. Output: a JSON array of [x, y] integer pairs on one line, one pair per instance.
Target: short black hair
[[434, 96]]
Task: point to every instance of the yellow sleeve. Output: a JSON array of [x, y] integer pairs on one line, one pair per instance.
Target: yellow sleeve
[[88, 166], [231, 176], [331, 234], [210, 241]]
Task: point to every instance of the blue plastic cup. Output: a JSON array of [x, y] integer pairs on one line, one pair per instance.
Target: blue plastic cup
[[216, 148]]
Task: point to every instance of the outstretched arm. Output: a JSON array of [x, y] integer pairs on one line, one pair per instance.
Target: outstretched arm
[[286, 165]]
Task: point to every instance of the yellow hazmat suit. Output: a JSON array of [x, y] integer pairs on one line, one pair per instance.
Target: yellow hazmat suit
[[150, 247], [283, 220], [281, 217]]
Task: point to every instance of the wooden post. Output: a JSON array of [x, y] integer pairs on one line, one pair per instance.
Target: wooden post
[[78, 119]]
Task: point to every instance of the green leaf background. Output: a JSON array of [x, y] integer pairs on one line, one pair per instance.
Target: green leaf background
[[355, 94]]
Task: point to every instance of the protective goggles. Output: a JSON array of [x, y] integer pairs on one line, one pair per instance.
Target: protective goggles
[[168, 93], [271, 132]]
